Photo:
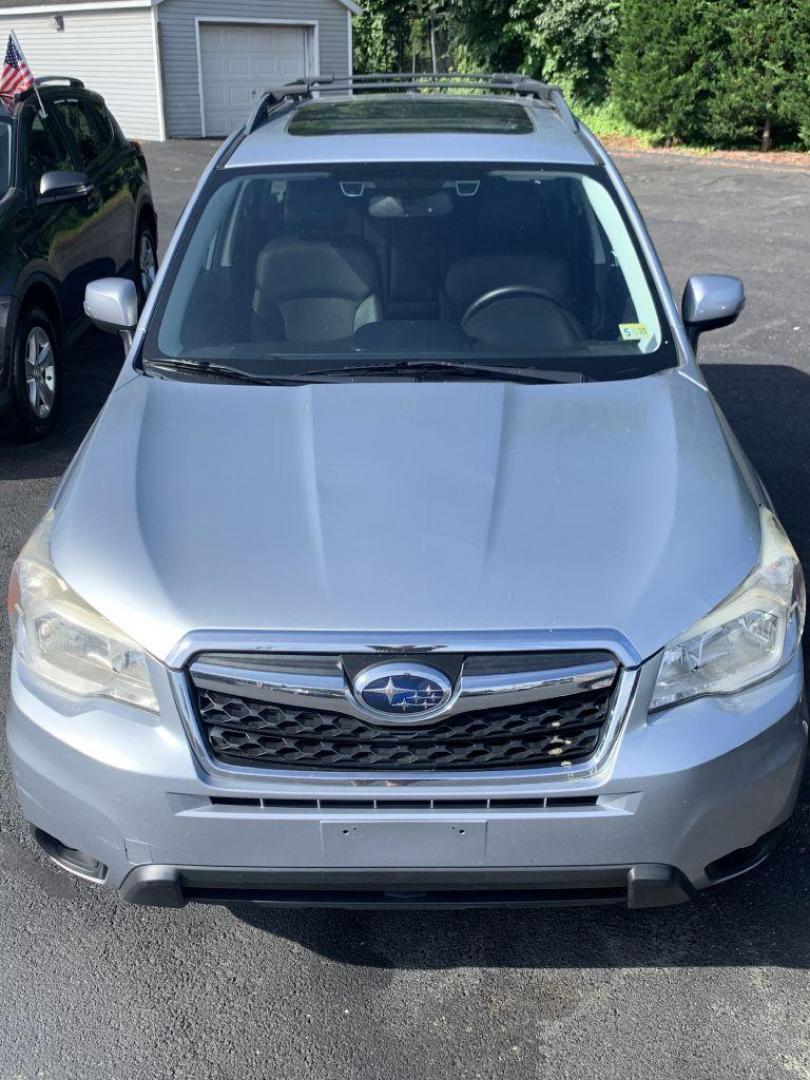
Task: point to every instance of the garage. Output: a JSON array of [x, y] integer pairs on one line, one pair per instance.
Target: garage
[[182, 69], [240, 60]]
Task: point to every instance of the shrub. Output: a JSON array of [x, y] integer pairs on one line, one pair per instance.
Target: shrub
[[382, 36], [718, 71], [574, 42], [766, 85], [491, 35], [667, 65]]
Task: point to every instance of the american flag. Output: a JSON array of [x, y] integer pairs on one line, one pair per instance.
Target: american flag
[[16, 75]]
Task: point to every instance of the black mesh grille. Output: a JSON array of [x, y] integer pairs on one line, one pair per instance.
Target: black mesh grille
[[242, 731]]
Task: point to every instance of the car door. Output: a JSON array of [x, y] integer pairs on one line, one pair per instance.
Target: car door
[[51, 233], [92, 149], [117, 166]]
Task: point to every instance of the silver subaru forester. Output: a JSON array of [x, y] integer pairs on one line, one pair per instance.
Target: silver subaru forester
[[410, 561]]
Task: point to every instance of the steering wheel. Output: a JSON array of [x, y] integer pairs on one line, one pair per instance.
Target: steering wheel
[[507, 292]]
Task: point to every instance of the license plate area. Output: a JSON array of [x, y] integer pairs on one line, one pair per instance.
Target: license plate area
[[403, 843]]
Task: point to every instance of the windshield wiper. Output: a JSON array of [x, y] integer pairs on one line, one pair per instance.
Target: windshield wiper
[[225, 371], [461, 369]]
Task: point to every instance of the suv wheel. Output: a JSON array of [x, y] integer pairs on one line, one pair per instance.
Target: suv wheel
[[36, 375], [146, 261]]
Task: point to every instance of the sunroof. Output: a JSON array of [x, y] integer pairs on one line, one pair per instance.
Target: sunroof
[[403, 114]]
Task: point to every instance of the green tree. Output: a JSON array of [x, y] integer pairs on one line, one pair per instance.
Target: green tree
[[492, 35], [796, 100], [668, 63], [573, 42], [382, 36], [720, 71], [570, 41], [763, 85]]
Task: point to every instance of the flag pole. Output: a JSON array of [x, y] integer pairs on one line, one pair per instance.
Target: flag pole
[[42, 111]]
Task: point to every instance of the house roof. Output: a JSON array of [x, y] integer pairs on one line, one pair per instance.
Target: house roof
[[32, 7]]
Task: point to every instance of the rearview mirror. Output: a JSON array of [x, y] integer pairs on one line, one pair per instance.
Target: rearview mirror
[[711, 301], [111, 304], [64, 186]]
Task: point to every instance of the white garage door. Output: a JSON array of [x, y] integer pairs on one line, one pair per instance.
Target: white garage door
[[239, 62]]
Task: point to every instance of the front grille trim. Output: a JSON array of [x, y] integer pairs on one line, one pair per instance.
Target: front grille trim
[[381, 645], [300, 684], [589, 755]]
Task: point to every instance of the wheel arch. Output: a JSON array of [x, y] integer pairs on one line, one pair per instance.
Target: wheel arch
[[40, 293], [146, 215]]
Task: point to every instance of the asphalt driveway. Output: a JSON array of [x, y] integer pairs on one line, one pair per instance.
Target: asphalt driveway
[[91, 988]]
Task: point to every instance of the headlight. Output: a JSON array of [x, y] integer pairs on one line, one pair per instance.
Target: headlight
[[62, 639], [752, 634]]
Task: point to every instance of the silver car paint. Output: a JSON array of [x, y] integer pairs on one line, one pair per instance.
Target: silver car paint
[[125, 786], [612, 515], [554, 146], [425, 507]]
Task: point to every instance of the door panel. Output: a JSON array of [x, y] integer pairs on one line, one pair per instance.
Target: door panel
[[116, 166], [93, 151], [52, 234], [239, 62]]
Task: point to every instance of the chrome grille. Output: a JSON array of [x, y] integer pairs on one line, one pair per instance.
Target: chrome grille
[[508, 711]]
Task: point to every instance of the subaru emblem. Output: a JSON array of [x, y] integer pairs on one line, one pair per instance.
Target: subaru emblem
[[402, 693]]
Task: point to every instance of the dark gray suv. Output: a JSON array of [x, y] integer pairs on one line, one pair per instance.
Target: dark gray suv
[[75, 205]]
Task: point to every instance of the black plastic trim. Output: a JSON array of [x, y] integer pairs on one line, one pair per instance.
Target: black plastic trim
[[645, 885], [7, 313], [743, 860]]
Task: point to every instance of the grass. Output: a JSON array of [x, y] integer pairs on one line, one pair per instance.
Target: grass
[[605, 121]]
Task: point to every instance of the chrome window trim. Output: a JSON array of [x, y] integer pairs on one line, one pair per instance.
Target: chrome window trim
[[304, 780]]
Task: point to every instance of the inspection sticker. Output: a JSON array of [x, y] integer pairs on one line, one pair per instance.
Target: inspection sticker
[[632, 331]]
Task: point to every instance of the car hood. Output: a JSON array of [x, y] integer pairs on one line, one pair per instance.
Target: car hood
[[399, 506]]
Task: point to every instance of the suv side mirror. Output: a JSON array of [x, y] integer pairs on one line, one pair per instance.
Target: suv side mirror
[[111, 304], [64, 186], [711, 301]]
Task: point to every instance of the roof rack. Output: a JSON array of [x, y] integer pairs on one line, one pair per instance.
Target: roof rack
[[412, 83], [46, 79]]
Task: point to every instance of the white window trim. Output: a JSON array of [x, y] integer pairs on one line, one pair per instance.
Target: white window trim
[[161, 100], [350, 70], [313, 47]]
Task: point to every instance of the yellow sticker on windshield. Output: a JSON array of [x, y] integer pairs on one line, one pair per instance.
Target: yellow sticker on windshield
[[632, 331]]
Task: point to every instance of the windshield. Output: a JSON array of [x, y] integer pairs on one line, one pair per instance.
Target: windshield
[[5, 156], [293, 271]]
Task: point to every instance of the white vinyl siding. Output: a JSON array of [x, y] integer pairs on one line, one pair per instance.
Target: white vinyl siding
[[112, 51], [178, 39]]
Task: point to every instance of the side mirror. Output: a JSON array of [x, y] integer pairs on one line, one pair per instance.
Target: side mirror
[[64, 186], [111, 304], [711, 301]]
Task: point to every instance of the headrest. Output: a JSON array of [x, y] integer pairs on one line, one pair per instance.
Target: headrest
[[292, 268], [315, 206]]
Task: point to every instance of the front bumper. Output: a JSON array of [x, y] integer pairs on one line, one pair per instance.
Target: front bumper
[[688, 797]]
